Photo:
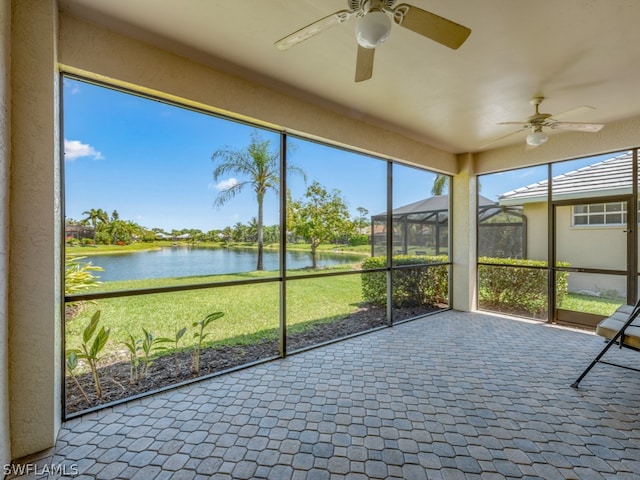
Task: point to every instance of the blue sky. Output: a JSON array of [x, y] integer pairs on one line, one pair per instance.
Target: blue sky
[[151, 162]]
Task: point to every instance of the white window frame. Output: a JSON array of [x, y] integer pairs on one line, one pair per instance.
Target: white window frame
[[604, 210]]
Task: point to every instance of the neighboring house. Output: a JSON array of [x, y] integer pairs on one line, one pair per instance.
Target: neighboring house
[[589, 229], [78, 232], [165, 236], [422, 227]]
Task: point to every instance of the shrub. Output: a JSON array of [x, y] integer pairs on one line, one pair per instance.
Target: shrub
[[358, 239], [518, 286], [79, 275], [419, 286]]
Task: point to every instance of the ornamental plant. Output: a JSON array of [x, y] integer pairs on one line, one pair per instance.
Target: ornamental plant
[[199, 335], [133, 346], [149, 345], [71, 364], [93, 342], [79, 275], [175, 340]]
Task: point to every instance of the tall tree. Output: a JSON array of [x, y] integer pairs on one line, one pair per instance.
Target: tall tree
[[440, 184], [323, 217], [122, 231], [259, 169], [94, 217]]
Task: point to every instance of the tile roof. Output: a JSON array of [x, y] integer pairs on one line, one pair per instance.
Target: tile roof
[[608, 177], [435, 203]]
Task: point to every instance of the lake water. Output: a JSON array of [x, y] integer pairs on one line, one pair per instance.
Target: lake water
[[192, 261]]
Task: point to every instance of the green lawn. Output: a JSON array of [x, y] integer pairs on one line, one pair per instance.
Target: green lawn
[[88, 250], [590, 304], [251, 311]]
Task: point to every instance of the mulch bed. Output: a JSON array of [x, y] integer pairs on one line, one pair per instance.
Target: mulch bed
[[169, 370]]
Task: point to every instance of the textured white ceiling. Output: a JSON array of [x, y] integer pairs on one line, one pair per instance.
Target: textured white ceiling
[[573, 52]]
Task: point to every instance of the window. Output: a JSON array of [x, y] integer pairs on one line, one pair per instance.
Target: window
[[196, 244], [600, 214]]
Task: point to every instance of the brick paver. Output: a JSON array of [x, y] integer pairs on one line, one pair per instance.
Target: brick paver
[[451, 396]]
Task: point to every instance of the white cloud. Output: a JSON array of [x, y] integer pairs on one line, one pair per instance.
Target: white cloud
[[226, 184], [73, 86], [75, 149]]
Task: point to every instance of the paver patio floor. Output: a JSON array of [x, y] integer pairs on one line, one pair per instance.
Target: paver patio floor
[[450, 396]]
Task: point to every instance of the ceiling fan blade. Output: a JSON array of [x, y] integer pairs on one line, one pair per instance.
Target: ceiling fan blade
[[430, 25], [511, 123], [313, 29], [364, 63], [577, 126], [582, 109], [496, 140]]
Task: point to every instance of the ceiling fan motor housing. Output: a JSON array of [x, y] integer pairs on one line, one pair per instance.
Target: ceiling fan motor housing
[[538, 119], [355, 5]]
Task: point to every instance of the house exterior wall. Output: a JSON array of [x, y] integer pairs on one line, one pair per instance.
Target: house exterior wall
[[537, 230], [35, 224], [591, 247], [5, 152], [595, 247]]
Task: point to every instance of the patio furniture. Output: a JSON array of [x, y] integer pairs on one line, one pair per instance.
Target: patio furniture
[[621, 328]]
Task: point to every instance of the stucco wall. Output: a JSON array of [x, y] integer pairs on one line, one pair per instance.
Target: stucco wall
[[591, 247], [537, 231], [463, 282], [5, 151], [583, 247], [34, 209]]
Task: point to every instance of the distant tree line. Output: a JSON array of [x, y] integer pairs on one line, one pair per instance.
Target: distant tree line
[[319, 217]]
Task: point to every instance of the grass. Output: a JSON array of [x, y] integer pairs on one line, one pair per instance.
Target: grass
[[591, 304], [251, 311], [83, 250]]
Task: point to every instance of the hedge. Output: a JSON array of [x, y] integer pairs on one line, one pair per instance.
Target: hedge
[[412, 287], [510, 289], [507, 285]]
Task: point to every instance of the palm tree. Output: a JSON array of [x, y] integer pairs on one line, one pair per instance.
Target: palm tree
[[95, 216], [251, 230], [258, 169], [238, 233], [122, 230], [439, 184]]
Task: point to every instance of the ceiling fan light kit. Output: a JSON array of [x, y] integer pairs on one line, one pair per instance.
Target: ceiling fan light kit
[[537, 137], [374, 27]]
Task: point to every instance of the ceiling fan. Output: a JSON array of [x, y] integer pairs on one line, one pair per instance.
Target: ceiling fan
[[374, 27], [538, 121]]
